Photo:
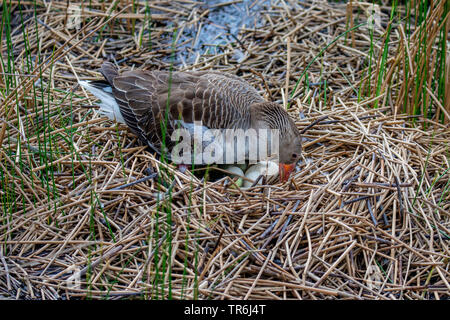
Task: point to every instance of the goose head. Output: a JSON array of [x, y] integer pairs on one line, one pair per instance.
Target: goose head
[[268, 115]]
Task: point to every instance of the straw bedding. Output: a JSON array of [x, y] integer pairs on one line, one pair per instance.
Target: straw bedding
[[366, 215]]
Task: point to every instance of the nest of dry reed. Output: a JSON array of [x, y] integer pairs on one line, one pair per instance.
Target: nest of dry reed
[[366, 216]]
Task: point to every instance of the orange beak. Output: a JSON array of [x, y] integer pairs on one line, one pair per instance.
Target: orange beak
[[285, 171]]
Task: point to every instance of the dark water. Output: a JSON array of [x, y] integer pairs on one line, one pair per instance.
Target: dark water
[[220, 27]]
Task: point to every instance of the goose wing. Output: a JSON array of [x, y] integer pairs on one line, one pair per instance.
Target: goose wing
[[154, 103]]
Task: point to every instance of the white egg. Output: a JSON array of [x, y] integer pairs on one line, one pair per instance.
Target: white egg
[[269, 169], [237, 172]]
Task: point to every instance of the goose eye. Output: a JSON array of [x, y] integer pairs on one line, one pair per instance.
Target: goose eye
[[294, 155]]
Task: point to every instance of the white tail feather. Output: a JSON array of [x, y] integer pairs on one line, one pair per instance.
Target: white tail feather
[[108, 105]]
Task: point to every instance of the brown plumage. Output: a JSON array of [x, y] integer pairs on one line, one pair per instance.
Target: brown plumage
[[218, 100]]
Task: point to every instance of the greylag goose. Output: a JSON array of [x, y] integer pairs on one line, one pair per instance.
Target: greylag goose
[[153, 103]]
